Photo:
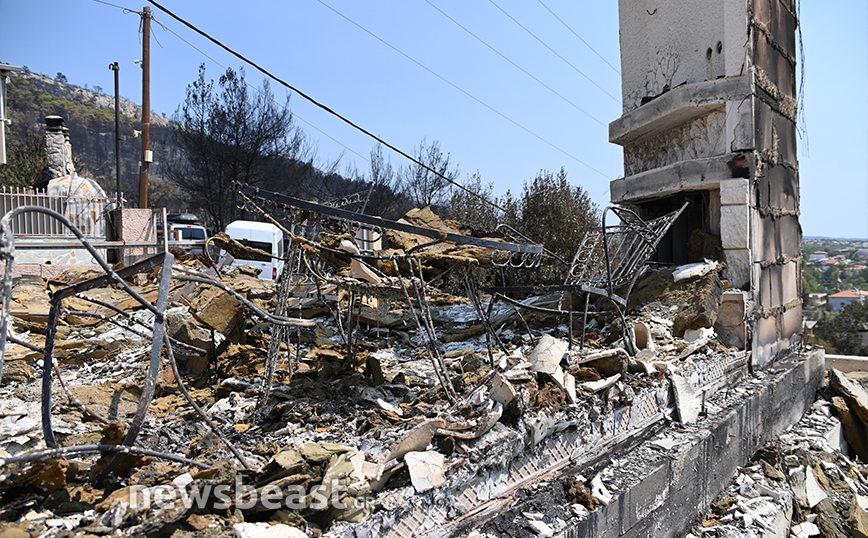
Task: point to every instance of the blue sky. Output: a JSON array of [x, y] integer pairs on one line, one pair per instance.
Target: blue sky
[[508, 128]]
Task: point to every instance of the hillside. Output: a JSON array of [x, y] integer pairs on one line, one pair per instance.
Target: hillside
[[90, 118], [89, 115]]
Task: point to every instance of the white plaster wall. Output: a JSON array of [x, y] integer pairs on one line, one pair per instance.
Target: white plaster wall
[[666, 42]]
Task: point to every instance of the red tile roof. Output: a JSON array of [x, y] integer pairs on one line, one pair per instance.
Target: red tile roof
[[847, 294]]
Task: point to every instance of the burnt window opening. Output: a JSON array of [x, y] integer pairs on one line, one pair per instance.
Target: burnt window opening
[[692, 237]]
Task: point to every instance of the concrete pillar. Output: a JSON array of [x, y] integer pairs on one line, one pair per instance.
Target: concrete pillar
[[134, 225], [706, 110]]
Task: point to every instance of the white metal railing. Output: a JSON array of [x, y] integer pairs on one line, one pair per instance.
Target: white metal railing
[[87, 214]]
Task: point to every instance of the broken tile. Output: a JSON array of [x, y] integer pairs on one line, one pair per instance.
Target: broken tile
[[663, 444], [599, 490], [642, 337], [547, 355], [570, 386], [426, 469], [266, 530], [596, 386], [415, 440], [502, 390], [805, 530], [540, 527], [814, 492]]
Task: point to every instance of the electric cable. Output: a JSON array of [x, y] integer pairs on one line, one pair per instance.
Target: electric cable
[[577, 107], [324, 107], [507, 118], [577, 70], [203, 53], [349, 122], [125, 9], [615, 69]]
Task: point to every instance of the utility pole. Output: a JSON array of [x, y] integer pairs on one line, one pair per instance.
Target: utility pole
[[116, 68], [147, 156]]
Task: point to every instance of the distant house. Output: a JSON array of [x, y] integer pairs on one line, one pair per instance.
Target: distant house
[[816, 299], [843, 298], [819, 256]]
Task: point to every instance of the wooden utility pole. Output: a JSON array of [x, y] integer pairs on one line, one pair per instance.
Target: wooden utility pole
[[146, 107]]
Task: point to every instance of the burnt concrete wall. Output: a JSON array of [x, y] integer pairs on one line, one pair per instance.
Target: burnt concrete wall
[[777, 234], [727, 132], [675, 491]]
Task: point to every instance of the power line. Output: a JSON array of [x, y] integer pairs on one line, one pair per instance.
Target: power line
[[555, 52], [507, 118], [295, 114], [322, 106], [203, 53], [125, 9], [577, 107], [615, 69]]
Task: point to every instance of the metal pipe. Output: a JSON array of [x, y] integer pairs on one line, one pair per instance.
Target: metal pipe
[[116, 68]]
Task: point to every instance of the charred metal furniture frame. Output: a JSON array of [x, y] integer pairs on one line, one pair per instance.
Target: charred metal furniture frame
[[610, 259], [411, 287], [159, 335]]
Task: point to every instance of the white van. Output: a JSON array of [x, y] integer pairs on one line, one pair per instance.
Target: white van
[[263, 236]]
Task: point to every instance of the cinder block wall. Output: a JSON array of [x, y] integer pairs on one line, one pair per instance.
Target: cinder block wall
[[711, 116], [775, 180]]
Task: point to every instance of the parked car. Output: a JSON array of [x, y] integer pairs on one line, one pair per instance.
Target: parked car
[[186, 227], [263, 236]]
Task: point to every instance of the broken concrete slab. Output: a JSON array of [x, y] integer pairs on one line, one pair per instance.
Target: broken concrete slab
[[698, 335], [852, 392], [855, 431], [218, 310], [694, 270], [685, 399], [857, 523]]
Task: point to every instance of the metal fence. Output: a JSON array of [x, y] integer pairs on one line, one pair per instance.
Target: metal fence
[[87, 214]]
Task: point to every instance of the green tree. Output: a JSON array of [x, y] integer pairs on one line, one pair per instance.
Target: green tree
[[556, 214], [843, 330], [228, 134], [475, 210], [25, 159]]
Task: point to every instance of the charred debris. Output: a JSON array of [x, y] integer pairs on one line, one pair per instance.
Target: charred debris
[[378, 374]]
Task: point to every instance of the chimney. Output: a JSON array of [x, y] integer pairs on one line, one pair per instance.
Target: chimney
[[57, 149]]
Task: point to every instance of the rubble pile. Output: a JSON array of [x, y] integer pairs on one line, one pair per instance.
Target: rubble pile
[[393, 405], [809, 482]]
